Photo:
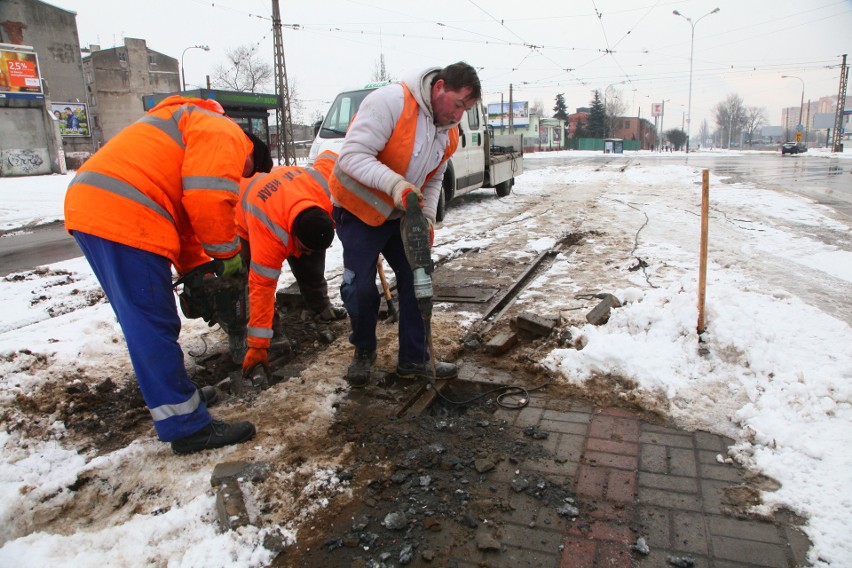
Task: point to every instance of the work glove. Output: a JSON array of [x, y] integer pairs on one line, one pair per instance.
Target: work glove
[[233, 265], [401, 191], [255, 356]]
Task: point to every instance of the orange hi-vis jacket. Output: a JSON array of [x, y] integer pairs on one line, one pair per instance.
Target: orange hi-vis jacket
[[269, 203], [369, 204], [167, 184]]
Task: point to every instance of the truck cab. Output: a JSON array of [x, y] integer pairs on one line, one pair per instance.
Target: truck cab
[[481, 159]]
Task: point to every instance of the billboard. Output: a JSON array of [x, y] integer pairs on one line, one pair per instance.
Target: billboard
[[19, 75], [498, 116], [73, 118]]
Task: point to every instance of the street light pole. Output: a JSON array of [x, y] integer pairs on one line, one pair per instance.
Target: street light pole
[[802, 102], [691, 50], [182, 74]]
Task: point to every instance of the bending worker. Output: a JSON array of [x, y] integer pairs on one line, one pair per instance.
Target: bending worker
[[285, 215], [398, 143], [163, 192]]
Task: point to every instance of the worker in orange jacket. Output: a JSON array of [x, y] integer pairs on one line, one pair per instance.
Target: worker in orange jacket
[[285, 215], [163, 192]]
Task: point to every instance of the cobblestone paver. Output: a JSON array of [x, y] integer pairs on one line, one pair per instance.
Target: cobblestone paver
[[632, 479]]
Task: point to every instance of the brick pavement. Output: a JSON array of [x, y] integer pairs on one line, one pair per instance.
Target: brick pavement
[[632, 479]]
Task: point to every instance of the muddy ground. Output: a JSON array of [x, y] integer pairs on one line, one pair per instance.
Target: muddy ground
[[402, 487]]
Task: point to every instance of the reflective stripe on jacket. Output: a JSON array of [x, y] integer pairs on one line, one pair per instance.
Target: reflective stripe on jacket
[[268, 205], [167, 184], [372, 205]]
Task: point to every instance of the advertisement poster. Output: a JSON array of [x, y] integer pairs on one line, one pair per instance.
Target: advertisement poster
[[73, 118], [19, 73], [520, 114]]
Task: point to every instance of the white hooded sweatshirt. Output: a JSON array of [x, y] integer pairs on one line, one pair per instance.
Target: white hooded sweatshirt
[[372, 128]]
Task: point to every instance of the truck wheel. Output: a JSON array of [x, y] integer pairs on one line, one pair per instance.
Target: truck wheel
[[504, 188], [441, 211]]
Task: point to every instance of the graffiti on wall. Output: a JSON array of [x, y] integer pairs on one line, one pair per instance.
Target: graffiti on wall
[[22, 162]]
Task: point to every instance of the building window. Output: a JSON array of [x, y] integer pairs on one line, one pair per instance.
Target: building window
[[152, 59], [122, 56]]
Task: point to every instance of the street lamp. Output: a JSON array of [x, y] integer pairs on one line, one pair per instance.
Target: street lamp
[[182, 75], [802, 103], [691, 49]]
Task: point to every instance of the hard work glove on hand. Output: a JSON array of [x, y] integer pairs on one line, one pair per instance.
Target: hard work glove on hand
[[401, 191], [254, 357], [233, 265]]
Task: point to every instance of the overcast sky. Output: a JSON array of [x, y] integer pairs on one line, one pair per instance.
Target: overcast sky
[[540, 47]]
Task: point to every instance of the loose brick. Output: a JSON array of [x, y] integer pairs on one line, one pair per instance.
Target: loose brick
[[501, 343], [535, 324]]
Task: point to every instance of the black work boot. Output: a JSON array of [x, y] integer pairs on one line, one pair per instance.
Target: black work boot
[[331, 313], [424, 370], [215, 435], [358, 373]]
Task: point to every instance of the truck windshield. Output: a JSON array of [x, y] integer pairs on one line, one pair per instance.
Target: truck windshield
[[341, 112]]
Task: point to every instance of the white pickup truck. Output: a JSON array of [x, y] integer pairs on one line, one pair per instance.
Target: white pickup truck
[[481, 160]]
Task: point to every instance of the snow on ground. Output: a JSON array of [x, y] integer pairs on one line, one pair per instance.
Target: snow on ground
[[774, 374]]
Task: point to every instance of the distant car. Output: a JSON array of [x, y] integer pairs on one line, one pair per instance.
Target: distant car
[[793, 148]]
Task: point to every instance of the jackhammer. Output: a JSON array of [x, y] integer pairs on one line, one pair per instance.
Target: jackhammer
[[415, 232], [216, 299]]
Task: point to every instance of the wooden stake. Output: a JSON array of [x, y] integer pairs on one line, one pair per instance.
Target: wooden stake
[[702, 264]]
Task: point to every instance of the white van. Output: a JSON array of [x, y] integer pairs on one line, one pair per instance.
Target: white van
[[481, 160]]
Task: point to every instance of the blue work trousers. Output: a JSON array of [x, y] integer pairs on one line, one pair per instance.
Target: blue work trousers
[[138, 285], [362, 244]]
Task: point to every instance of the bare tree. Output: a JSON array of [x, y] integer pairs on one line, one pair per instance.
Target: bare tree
[[297, 107], [614, 107], [703, 133], [730, 117], [537, 108], [244, 71], [380, 73], [755, 118]]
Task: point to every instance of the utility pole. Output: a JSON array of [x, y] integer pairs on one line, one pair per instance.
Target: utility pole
[[284, 121], [511, 114], [836, 143]]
